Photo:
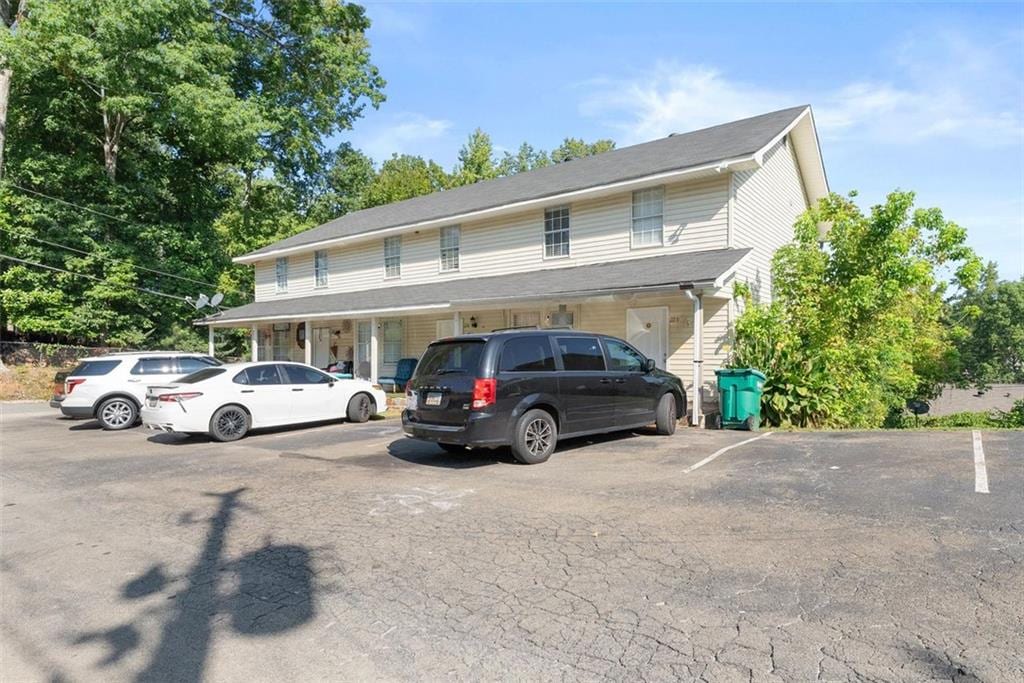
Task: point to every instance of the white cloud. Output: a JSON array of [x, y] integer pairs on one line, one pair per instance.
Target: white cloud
[[939, 86], [401, 133]]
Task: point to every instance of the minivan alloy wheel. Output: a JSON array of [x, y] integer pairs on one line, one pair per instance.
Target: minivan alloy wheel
[[538, 436]]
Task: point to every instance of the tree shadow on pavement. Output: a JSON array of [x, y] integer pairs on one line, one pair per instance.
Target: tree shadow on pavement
[[275, 594]]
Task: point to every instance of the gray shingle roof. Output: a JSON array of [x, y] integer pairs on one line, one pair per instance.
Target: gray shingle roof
[[666, 270], [677, 152]]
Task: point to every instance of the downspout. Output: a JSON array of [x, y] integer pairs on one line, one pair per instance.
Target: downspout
[[696, 298]]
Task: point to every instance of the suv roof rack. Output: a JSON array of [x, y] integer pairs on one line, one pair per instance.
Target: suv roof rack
[[513, 329]]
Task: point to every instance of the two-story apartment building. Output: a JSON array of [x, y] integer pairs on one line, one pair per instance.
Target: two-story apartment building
[[642, 242]]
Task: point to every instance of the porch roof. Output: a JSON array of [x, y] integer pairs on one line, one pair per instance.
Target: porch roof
[[692, 269]]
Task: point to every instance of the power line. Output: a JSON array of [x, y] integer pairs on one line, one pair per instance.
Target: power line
[[111, 258], [72, 204], [92, 277]]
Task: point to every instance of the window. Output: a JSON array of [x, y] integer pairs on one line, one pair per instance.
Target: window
[[281, 270], [527, 354], [94, 368], [191, 364], [320, 267], [648, 218], [298, 374], [391, 331], [556, 232], [201, 375], [624, 358], [450, 238], [282, 344], [581, 353], [526, 319], [259, 374], [450, 357], [393, 257], [154, 366]]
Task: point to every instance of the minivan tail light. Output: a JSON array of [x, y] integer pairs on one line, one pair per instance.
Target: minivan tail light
[[71, 384], [169, 398], [485, 392]]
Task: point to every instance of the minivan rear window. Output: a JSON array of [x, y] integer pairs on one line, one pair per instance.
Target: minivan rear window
[[93, 368], [451, 357], [200, 375]]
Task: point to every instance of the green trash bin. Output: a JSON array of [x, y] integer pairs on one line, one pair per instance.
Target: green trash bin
[[739, 396]]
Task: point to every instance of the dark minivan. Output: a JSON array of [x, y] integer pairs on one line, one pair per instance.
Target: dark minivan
[[527, 388]]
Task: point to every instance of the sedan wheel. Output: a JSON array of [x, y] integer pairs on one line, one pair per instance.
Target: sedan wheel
[[229, 423], [360, 407], [117, 413]]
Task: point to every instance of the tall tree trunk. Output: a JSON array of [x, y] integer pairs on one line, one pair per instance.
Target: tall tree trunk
[[5, 90], [113, 127]]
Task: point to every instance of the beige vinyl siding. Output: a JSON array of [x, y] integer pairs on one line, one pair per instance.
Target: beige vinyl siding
[[765, 204], [696, 219]]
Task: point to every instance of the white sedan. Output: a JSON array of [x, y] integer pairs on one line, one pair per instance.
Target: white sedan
[[227, 401]]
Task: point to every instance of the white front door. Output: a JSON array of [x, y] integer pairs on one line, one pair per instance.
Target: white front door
[[444, 329], [361, 368], [647, 330], [321, 347]]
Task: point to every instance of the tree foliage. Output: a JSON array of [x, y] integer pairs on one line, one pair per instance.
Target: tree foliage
[[855, 327], [990, 317]]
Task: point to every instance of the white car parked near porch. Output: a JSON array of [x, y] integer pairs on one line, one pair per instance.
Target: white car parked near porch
[[227, 401]]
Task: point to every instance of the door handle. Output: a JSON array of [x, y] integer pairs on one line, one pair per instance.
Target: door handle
[[248, 391], [296, 389], [606, 381], [620, 381]]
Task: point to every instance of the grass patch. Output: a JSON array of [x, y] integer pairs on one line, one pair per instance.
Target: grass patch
[[27, 382]]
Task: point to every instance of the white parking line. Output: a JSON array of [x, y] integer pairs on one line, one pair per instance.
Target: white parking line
[[980, 473], [717, 453]]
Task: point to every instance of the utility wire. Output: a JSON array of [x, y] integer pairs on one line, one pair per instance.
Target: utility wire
[[92, 277]]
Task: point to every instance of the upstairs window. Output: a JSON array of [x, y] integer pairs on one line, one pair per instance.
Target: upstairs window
[[393, 257], [320, 265], [281, 270], [450, 238], [556, 232], [648, 217]]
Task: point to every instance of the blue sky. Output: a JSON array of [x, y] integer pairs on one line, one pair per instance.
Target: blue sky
[[923, 97]]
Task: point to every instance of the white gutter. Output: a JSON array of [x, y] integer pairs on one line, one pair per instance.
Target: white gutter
[[620, 186]]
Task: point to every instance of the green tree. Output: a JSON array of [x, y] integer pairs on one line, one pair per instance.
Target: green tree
[[476, 160], [526, 158], [405, 176], [855, 327], [171, 124], [577, 148], [344, 184], [991, 346]]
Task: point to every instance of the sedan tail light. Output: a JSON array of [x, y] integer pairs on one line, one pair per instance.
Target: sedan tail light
[[485, 392], [170, 398], [71, 384]]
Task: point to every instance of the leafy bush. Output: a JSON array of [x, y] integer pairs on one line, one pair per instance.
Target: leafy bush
[[855, 326], [996, 419]]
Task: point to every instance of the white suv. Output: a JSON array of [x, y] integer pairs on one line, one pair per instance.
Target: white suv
[[111, 388]]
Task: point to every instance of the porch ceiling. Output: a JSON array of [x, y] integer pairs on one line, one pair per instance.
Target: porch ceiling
[[697, 269]]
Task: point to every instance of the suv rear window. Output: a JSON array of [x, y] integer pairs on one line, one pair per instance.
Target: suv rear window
[[93, 368], [527, 354], [189, 364], [450, 357], [581, 353], [200, 375]]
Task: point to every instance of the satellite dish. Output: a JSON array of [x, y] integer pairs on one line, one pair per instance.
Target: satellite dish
[[216, 299], [202, 301]]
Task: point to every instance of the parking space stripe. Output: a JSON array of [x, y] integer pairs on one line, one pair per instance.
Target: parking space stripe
[[980, 473], [717, 453]]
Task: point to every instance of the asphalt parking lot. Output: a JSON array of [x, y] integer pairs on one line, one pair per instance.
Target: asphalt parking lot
[[348, 552]]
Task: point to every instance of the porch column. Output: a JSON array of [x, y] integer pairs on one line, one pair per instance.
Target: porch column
[[698, 357], [373, 351], [209, 344], [254, 339], [309, 342], [456, 323]]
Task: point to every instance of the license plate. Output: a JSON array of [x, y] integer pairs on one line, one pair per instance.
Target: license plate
[[433, 399]]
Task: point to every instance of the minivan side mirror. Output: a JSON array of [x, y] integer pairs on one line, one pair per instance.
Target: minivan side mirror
[[649, 365]]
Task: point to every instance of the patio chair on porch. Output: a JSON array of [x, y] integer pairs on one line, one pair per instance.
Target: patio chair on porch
[[403, 373]]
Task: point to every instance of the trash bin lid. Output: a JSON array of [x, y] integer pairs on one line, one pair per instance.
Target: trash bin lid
[[740, 372]]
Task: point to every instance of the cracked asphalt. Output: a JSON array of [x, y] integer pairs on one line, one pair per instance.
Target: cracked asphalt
[[348, 552]]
